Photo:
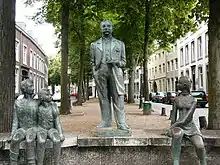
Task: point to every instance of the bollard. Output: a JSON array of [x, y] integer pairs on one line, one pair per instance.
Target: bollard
[[163, 111], [202, 122], [170, 114]]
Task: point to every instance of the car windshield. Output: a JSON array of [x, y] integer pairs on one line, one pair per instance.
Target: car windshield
[[197, 93]]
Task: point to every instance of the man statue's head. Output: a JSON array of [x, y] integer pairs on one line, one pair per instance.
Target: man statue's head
[[27, 86], [44, 95], [106, 28]]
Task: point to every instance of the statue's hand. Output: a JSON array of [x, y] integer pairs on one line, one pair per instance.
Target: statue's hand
[[62, 137], [176, 124]]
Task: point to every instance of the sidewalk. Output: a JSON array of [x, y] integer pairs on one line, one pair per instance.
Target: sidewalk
[[85, 118]]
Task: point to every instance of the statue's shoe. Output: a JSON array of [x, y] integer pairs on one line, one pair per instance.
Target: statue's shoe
[[124, 127], [104, 125]]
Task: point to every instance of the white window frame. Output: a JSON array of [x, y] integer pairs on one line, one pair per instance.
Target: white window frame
[[181, 57], [25, 54], [187, 54], [17, 79], [200, 74], [199, 47], [31, 57], [17, 50], [193, 54], [206, 44]]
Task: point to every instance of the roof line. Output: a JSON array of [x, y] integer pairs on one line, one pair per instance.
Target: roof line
[[31, 38]]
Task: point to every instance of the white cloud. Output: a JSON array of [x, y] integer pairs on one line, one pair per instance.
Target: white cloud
[[44, 33]]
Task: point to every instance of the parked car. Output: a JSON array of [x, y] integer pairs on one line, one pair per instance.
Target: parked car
[[151, 95], [158, 97], [169, 97], [201, 98]]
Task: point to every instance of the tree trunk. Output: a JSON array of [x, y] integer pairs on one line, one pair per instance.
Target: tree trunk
[[87, 85], [214, 67], [7, 63], [53, 88], [131, 83], [82, 54], [145, 63], [65, 108]]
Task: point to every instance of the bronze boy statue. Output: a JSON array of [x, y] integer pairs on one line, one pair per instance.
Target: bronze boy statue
[[24, 126], [49, 127]]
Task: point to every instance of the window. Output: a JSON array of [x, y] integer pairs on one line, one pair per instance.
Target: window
[[181, 57], [163, 54], [172, 84], [168, 66], [17, 50], [16, 80], [152, 71], [199, 47], [176, 61], [200, 77], [164, 67], [155, 57], [160, 71], [172, 65], [187, 54], [164, 85], [206, 43], [159, 55], [160, 85], [31, 58], [155, 70], [187, 73], [193, 58], [25, 54], [36, 62], [168, 84]]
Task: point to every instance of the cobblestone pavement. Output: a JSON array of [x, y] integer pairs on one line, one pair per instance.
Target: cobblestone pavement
[[85, 118]]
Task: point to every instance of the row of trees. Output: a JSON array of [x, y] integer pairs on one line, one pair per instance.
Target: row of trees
[[145, 26]]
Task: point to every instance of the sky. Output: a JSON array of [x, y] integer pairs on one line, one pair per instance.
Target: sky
[[44, 33]]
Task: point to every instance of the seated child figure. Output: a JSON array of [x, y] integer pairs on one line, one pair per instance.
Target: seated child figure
[[49, 127]]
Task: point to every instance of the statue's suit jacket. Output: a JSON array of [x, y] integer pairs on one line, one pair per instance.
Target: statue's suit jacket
[[117, 55]]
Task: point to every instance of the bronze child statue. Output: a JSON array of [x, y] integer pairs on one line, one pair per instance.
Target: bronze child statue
[[24, 126], [49, 127], [184, 127]]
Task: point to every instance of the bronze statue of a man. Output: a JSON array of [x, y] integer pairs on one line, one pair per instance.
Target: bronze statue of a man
[[24, 126], [184, 126], [108, 59], [49, 127]]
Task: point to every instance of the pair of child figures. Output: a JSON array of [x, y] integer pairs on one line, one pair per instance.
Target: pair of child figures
[[35, 121]]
